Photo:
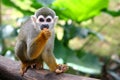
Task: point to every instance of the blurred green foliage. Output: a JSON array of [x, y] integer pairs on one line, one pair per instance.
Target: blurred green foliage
[[79, 8], [72, 13]]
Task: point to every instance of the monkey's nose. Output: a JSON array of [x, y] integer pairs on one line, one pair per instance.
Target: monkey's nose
[[44, 26]]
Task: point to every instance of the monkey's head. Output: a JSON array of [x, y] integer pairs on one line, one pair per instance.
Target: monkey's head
[[44, 18]]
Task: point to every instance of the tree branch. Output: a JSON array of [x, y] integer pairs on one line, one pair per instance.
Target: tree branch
[[9, 70]]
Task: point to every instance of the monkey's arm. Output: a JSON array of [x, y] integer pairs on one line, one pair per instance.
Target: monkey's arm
[[36, 47]]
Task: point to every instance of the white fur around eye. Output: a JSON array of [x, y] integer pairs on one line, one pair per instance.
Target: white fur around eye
[[40, 17], [49, 19]]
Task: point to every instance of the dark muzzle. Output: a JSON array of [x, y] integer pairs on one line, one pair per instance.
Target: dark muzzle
[[44, 26]]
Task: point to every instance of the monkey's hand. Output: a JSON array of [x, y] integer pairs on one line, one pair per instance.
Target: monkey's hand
[[46, 33], [38, 44], [61, 68]]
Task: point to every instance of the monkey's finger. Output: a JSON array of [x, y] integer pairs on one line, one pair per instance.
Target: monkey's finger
[[58, 71], [61, 68], [33, 65], [45, 29]]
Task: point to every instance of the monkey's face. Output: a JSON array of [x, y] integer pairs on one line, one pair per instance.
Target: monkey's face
[[44, 22]]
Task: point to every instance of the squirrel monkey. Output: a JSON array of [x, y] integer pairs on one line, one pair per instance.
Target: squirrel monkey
[[36, 42]]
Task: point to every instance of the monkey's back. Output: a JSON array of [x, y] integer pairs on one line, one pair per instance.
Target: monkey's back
[[27, 31]]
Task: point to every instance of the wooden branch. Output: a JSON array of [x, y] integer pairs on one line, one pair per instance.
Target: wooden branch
[[9, 70]]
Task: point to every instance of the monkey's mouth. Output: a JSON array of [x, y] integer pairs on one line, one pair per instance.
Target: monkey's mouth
[[44, 26]]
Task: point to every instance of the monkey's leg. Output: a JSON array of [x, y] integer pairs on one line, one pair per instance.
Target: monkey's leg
[[24, 67], [20, 51], [36, 47], [49, 59]]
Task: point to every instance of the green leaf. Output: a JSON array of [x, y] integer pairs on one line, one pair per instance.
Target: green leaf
[[59, 49], [70, 31], [113, 13], [46, 2], [12, 4], [79, 10], [89, 63], [35, 4]]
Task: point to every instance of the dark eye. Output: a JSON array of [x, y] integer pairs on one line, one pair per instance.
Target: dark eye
[[41, 19], [48, 20]]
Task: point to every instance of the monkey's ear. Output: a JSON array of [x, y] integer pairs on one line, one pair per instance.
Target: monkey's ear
[[33, 18], [56, 18]]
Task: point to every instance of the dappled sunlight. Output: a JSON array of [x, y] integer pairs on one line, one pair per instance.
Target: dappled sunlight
[[59, 32], [76, 43]]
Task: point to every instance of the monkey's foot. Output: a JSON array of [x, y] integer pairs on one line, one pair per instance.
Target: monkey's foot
[[61, 68], [37, 66], [23, 69], [46, 32]]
